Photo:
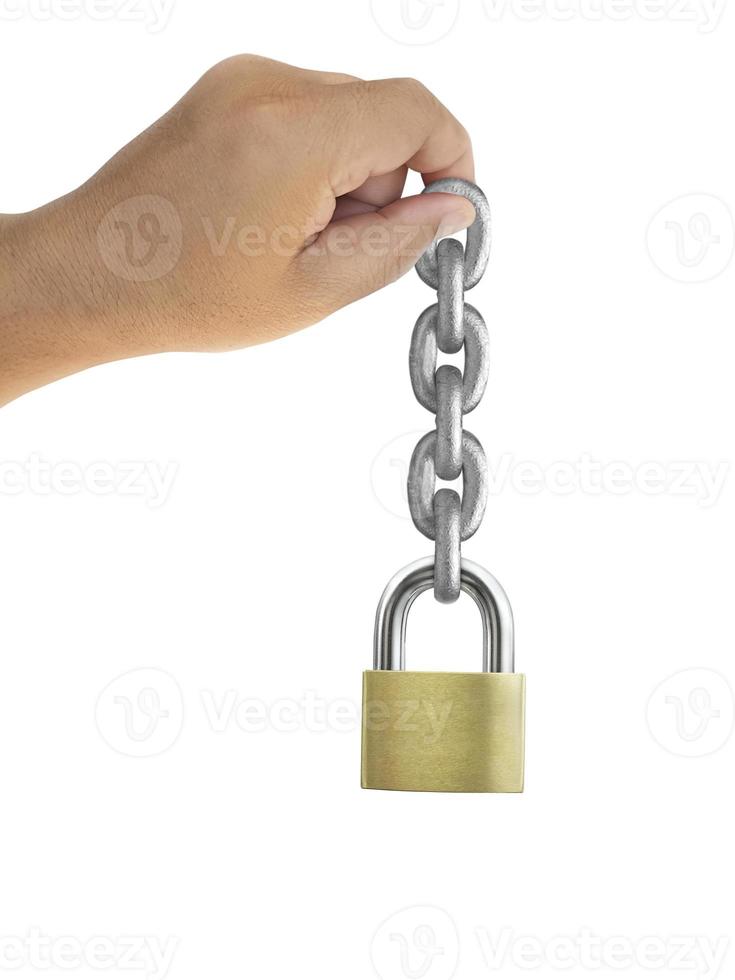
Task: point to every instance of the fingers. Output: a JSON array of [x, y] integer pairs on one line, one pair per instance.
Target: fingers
[[347, 207], [331, 153], [385, 125], [361, 129], [363, 252], [381, 190], [348, 130], [375, 193], [461, 167]]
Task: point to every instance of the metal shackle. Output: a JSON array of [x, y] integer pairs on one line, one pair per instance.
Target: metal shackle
[[400, 593]]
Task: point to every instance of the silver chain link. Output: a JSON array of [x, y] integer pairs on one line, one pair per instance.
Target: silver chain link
[[450, 451]]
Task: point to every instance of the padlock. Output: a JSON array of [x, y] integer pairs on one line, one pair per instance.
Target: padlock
[[447, 732]]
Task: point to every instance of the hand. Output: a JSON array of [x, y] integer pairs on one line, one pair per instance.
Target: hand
[[266, 199]]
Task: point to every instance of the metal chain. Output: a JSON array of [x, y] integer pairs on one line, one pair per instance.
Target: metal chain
[[450, 451]]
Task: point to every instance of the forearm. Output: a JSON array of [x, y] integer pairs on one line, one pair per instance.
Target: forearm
[[57, 309], [42, 337]]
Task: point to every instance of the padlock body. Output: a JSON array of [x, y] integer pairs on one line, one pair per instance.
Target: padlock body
[[443, 732]]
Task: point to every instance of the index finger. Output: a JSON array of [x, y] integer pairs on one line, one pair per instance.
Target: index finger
[[389, 123]]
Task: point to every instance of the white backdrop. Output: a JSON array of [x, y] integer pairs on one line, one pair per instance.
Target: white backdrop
[[185, 625]]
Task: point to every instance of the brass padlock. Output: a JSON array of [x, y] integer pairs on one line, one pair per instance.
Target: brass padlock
[[443, 732]]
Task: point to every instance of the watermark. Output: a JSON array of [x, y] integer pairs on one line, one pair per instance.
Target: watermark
[[377, 241], [692, 713], [426, 719], [696, 480], [692, 238], [141, 238], [704, 14], [418, 943], [150, 480], [310, 712], [141, 712], [418, 22], [424, 942], [701, 956], [147, 956], [230, 711], [154, 15], [415, 22]]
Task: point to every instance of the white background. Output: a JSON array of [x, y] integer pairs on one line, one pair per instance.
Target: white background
[[255, 580]]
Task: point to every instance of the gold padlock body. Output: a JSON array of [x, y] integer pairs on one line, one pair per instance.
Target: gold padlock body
[[443, 732]]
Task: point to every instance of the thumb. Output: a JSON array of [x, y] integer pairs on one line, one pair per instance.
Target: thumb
[[358, 254]]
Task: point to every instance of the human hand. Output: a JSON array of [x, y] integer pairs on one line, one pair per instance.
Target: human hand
[[266, 199]]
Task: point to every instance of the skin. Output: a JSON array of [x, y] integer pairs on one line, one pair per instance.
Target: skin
[[263, 201]]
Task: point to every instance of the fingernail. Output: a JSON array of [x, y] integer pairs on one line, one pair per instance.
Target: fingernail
[[453, 222]]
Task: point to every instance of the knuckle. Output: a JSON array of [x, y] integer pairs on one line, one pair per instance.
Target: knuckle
[[255, 89], [267, 109], [366, 97], [362, 92], [407, 94], [341, 78], [234, 68], [459, 138], [274, 105], [414, 91]]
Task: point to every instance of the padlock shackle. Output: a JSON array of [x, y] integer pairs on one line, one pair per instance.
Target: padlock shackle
[[410, 582]]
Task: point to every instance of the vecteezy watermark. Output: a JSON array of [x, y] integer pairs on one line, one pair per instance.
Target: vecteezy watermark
[[427, 21], [427, 719], [415, 21], [141, 713], [230, 711], [692, 713], [706, 14], [701, 956], [154, 15], [311, 712], [147, 956], [140, 239], [341, 241], [417, 943], [692, 238], [702, 482], [424, 942], [148, 479]]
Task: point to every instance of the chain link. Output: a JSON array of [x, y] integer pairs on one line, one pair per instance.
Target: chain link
[[450, 451], [450, 296], [478, 235]]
